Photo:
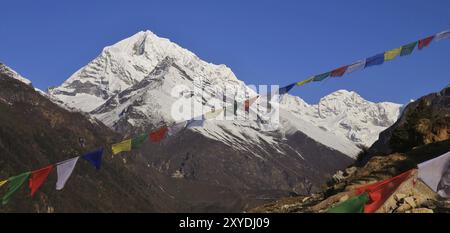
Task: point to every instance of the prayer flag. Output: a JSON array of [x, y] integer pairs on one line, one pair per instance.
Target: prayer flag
[[425, 42], [38, 177], [300, 83], [408, 49], [391, 54], [436, 174], [214, 114], [375, 60], [137, 141], [249, 103], [285, 89], [94, 157], [64, 170], [321, 77], [121, 146], [14, 183], [158, 134], [192, 124], [353, 205], [358, 65], [339, 71], [176, 128], [442, 35], [381, 191]]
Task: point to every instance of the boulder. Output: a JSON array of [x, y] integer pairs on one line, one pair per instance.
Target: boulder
[[410, 201], [403, 208], [399, 196], [422, 211]]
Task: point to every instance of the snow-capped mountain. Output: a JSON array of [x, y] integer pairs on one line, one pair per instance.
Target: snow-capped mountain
[[133, 86], [126, 63], [129, 86], [11, 73], [345, 114]]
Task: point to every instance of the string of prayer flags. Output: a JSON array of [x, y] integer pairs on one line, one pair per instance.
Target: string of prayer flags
[[408, 49], [158, 134], [381, 191], [425, 42], [352, 205], [14, 182], [435, 174], [121, 146], [391, 54], [64, 170], [3, 182], [38, 177], [94, 157], [378, 59]]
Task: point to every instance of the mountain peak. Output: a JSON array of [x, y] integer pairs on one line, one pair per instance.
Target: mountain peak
[[341, 95], [126, 63], [11, 73]]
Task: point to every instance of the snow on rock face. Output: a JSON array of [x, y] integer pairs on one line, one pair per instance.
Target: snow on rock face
[[346, 114], [125, 64], [10, 72]]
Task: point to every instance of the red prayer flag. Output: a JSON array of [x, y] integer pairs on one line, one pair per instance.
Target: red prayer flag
[[249, 102], [158, 134], [38, 177], [425, 42], [339, 71], [381, 191]]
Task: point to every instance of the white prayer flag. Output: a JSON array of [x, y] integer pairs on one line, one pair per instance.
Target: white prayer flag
[[64, 170], [442, 35], [176, 128], [436, 174], [355, 66]]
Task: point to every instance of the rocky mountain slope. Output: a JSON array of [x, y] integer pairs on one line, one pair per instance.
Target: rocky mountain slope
[[420, 134], [35, 132]]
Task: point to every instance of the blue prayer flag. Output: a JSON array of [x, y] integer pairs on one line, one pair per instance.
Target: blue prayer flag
[[375, 60], [94, 157], [284, 90]]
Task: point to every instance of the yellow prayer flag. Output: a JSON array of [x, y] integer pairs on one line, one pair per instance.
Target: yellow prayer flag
[[121, 146], [305, 81], [3, 182], [391, 54], [212, 115]]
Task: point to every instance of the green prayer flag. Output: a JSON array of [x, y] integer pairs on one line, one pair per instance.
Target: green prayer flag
[[321, 77], [408, 49], [15, 183], [352, 205], [138, 141]]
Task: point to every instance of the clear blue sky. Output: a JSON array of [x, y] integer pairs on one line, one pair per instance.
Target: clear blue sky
[[264, 42]]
